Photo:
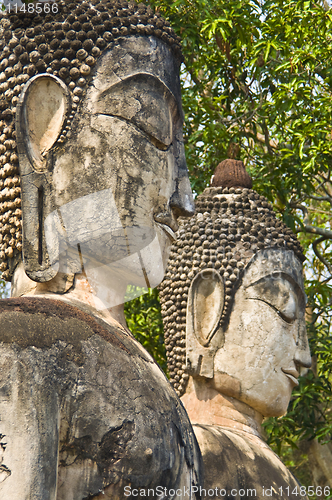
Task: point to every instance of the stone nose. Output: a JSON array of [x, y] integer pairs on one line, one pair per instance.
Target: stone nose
[[182, 200], [302, 357]]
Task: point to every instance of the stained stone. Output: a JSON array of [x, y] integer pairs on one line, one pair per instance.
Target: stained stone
[[243, 329], [48, 36], [92, 157]]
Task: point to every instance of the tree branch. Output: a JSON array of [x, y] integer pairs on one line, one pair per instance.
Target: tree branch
[[307, 227], [320, 198], [318, 230], [319, 255]]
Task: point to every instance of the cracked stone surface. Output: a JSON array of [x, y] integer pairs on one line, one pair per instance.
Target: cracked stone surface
[[84, 410], [237, 460], [251, 366], [113, 191], [83, 407]]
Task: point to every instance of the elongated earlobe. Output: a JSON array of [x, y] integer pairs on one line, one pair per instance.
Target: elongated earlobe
[[41, 113], [204, 309], [42, 110]]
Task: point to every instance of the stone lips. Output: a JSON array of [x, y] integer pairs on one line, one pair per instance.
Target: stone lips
[[229, 227], [67, 45]]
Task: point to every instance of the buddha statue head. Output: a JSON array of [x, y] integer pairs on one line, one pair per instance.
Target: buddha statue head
[[92, 162], [233, 299]]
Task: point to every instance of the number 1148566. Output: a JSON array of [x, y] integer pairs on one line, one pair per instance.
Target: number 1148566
[[38, 8], [309, 491]]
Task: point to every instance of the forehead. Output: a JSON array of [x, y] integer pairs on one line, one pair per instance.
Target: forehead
[[135, 55], [271, 262]]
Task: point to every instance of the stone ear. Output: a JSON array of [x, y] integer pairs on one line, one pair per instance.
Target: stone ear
[[204, 309], [42, 111]]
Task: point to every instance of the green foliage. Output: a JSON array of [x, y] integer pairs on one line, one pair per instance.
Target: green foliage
[[309, 414], [257, 86], [144, 321], [254, 89], [3, 290]]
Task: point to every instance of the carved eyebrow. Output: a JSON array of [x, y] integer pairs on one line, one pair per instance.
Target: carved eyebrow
[[148, 76], [276, 309], [155, 142], [287, 277]]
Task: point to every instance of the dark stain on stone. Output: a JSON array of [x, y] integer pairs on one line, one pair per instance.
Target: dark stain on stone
[[108, 451], [113, 444], [79, 449], [41, 322], [4, 473]]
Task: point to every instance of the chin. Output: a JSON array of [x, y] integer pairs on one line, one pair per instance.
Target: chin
[[275, 411], [164, 243], [268, 403], [275, 406]]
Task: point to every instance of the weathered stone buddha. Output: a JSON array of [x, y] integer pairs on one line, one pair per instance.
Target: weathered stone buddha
[[233, 305], [92, 168]]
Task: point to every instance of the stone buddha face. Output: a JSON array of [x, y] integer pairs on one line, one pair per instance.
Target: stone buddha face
[[265, 346], [233, 302], [120, 182]]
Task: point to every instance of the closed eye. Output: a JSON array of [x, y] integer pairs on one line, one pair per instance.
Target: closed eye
[[145, 101], [278, 293], [289, 318], [158, 144]]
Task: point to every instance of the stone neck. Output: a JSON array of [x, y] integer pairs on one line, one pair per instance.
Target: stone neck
[[205, 405], [69, 288]]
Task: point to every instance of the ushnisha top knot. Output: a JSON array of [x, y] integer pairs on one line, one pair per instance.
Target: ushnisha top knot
[[231, 173]]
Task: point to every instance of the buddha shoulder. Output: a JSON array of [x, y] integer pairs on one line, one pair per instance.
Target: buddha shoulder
[[235, 460], [93, 368]]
